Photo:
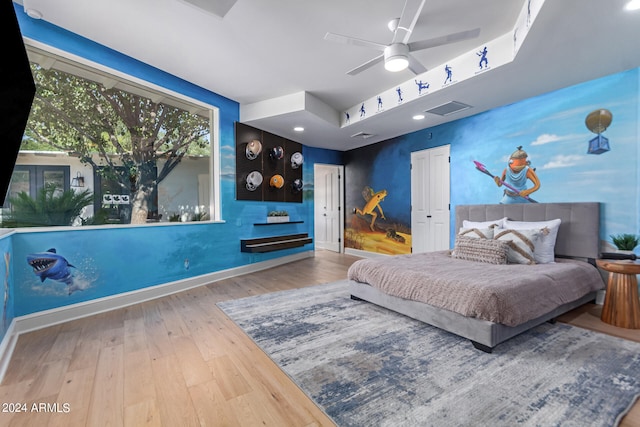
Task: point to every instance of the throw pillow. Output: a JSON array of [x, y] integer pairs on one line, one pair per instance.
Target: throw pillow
[[545, 246], [477, 233], [480, 250], [521, 245], [484, 224]]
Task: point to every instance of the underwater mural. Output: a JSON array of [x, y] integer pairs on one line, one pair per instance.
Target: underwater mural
[[6, 272], [50, 265], [5, 305]]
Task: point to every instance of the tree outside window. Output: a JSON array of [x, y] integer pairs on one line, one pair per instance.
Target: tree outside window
[[132, 142]]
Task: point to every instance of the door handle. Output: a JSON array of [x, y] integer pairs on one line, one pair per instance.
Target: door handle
[[428, 216]]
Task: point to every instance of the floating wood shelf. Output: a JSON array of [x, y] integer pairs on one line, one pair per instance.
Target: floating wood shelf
[[274, 243]]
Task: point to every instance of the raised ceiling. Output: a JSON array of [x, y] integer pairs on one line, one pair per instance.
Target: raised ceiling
[[273, 54]]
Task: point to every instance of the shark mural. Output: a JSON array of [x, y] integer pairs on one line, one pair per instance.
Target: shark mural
[[50, 265]]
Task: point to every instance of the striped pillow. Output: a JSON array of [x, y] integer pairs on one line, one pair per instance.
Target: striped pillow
[[477, 233], [521, 244], [480, 250]]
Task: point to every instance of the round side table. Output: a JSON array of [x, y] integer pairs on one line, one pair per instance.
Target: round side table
[[621, 304]]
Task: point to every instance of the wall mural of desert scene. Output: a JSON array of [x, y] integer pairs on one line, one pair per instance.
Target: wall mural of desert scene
[[376, 212]]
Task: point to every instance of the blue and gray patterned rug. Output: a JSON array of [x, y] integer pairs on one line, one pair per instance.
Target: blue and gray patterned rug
[[366, 366]]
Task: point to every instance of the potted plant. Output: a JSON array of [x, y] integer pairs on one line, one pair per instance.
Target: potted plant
[[625, 242], [277, 216]]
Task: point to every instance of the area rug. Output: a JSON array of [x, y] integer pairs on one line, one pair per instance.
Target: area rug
[[367, 366]]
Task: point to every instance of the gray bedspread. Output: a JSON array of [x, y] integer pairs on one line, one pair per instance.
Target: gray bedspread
[[509, 294]]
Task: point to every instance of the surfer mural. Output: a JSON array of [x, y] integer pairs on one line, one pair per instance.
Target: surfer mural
[[50, 265], [515, 177]]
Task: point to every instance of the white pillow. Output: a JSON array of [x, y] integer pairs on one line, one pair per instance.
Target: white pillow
[[477, 233], [484, 224], [521, 244], [544, 252]]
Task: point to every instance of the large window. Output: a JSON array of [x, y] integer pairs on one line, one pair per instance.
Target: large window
[[138, 154], [31, 179]]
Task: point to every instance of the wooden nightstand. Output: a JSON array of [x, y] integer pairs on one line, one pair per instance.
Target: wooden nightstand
[[621, 304]]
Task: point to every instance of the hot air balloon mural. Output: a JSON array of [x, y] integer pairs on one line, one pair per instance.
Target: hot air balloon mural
[[597, 122]]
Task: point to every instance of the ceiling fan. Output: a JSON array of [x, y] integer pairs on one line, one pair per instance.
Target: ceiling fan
[[397, 55]]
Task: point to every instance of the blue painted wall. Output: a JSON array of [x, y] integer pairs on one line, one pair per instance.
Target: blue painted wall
[[6, 273], [111, 260], [550, 128], [108, 261]]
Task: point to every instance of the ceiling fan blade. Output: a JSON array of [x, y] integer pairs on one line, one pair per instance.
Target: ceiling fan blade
[[378, 59], [408, 19], [439, 41], [338, 38], [416, 66]]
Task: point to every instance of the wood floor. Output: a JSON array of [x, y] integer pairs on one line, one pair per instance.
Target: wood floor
[[179, 361]]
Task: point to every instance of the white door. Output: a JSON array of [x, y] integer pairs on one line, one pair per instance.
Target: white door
[[328, 198], [430, 199]]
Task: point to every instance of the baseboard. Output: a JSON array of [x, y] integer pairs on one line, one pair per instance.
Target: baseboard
[[46, 318], [363, 254], [6, 348]]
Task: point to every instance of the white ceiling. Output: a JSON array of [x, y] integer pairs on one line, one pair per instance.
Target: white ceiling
[[265, 51]]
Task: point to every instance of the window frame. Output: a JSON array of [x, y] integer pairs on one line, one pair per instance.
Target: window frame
[[50, 57], [36, 178]]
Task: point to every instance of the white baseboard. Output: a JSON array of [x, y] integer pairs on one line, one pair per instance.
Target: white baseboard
[[46, 318], [363, 254], [6, 348]]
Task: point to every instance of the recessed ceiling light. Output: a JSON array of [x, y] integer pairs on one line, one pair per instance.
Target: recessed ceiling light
[[633, 5], [34, 13], [418, 117], [298, 129]]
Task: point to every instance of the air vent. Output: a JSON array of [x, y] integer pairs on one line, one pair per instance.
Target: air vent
[[448, 108], [217, 7], [363, 135]]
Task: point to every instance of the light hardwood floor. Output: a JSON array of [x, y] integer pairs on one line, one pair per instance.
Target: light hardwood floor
[[179, 361]]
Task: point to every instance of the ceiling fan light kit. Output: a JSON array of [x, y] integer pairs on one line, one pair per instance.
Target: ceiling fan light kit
[[396, 57]]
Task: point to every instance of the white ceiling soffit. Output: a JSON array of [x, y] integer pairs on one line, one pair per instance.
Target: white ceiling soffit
[[263, 53], [215, 7], [271, 112]]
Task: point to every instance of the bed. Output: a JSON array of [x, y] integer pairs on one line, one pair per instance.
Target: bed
[[484, 302]]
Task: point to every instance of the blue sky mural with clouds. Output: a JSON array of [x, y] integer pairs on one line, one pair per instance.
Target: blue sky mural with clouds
[[551, 128]]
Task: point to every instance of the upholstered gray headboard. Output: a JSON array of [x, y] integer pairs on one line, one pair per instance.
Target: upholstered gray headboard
[[579, 233]]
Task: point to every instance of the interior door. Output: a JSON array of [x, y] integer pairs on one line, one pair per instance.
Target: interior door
[[430, 202], [327, 205]]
